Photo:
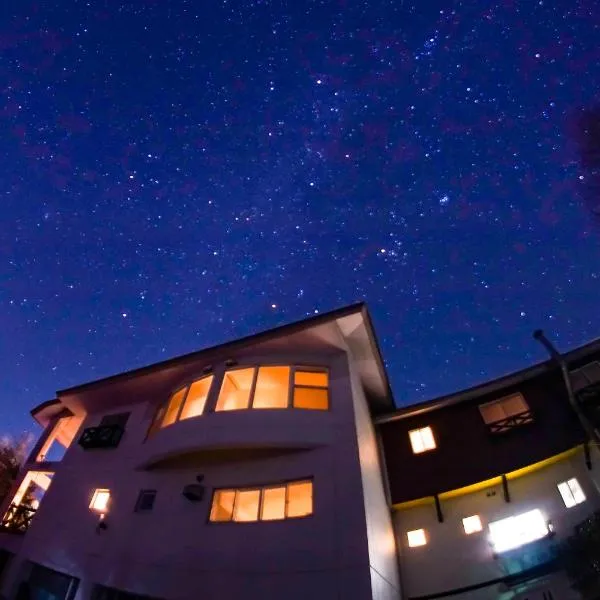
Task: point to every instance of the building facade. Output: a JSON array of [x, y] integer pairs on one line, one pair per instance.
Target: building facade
[[278, 466]]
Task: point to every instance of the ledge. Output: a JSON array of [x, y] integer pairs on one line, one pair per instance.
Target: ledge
[[232, 435]]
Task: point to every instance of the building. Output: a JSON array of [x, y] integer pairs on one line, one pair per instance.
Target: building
[[278, 466]]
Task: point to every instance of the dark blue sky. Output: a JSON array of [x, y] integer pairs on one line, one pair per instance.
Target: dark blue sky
[[177, 173]]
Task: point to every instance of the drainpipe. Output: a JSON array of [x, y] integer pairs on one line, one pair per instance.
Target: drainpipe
[[590, 430]]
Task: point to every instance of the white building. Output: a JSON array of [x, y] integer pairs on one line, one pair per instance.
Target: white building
[[276, 466]]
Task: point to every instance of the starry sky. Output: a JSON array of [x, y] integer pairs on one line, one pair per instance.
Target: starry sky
[[177, 174]]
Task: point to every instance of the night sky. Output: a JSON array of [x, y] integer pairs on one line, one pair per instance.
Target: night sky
[[175, 174]]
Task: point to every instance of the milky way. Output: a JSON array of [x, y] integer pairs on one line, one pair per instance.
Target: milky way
[[173, 176]]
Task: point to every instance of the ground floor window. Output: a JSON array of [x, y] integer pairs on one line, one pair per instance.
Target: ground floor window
[[43, 583]]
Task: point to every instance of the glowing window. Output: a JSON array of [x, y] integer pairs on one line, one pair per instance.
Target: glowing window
[[195, 400], [173, 407], [516, 531], [222, 506], [299, 499], [272, 503], [472, 524], [246, 505], [311, 390], [417, 537], [272, 387], [571, 492], [100, 500], [235, 390], [421, 440]]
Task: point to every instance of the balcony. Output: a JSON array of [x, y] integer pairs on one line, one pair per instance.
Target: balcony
[[101, 437], [17, 518], [510, 423]]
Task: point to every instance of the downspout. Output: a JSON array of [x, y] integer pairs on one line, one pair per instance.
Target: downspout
[[590, 430]]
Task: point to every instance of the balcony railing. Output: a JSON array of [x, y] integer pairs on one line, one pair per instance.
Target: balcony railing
[[17, 518], [504, 425], [103, 436]]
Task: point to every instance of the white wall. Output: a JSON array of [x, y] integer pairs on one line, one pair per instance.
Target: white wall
[[451, 559], [383, 558]]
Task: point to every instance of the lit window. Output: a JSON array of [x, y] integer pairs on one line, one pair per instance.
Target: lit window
[[222, 506], [506, 413], [421, 440], [416, 538], [299, 499], [246, 505], [235, 390], [472, 524], [196, 398], [311, 390], [272, 387], [571, 492], [271, 503], [173, 407], [516, 531], [100, 500]]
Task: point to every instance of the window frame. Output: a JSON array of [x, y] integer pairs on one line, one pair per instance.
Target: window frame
[[567, 483], [525, 417], [291, 385], [137, 507], [419, 430], [261, 488]]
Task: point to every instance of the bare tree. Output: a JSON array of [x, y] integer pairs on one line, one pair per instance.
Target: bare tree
[[13, 453]]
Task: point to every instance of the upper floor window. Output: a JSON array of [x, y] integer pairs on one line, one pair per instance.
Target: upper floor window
[[504, 414], [586, 375], [416, 537], [59, 439], [274, 387], [185, 403], [421, 440], [516, 531], [571, 492], [270, 503]]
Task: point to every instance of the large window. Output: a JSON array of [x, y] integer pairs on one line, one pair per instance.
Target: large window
[[504, 414], [185, 403], [516, 531], [274, 387], [571, 492], [265, 503]]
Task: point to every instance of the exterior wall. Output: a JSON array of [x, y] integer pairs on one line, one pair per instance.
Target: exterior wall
[[466, 452], [383, 558], [173, 551], [451, 559]]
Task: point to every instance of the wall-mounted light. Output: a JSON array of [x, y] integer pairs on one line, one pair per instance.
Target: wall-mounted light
[[194, 492]]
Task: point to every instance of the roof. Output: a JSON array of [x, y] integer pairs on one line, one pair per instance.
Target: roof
[[492, 386], [345, 321]]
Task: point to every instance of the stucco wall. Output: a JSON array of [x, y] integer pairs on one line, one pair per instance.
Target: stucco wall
[[172, 551], [383, 558], [451, 559]]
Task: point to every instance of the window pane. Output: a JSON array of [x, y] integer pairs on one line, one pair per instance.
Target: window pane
[[416, 441], [173, 407], [311, 398], [222, 507], [514, 405], [100, 500], [246, 505], [299, 499], [516, 531], [566, 494], [472, 524], [272, 385], [492, 412], [235, 391], [273, 506], [416, 538], [576, 490], [196, 398], [427, 437], [311, 378]]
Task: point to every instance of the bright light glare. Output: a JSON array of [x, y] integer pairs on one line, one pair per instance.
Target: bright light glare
[[100, 501], [516, 531]]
